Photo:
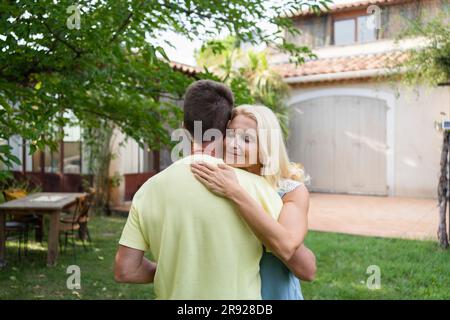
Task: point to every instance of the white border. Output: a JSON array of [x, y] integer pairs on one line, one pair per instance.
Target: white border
[[390, 119]]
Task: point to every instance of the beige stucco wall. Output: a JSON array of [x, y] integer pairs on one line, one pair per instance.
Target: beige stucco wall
[[129, 158], [416, 143]]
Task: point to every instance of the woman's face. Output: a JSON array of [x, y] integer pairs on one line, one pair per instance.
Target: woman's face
[[241, 142]]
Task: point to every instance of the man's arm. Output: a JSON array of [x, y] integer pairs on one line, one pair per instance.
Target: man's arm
[[132, 267]]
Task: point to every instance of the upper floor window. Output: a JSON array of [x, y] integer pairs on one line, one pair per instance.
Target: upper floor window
[[354, 30]]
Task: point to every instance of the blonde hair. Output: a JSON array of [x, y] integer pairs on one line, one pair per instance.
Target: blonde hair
[[272, 150]]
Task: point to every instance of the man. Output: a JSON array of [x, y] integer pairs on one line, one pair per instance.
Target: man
[[202, 247]]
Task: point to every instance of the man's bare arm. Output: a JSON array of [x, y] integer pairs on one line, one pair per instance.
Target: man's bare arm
[[132, 267]]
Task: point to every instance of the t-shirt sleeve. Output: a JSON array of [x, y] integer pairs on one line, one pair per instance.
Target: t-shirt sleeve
[[262, 192], [132, 234], [271, 202]]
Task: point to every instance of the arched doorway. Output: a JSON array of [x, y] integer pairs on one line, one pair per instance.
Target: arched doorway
[[342, 140]]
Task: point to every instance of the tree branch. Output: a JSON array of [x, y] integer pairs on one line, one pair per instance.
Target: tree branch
[[77, 51], [125, 23]]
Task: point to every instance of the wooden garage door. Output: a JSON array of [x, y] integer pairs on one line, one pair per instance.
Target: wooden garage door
[[341, 140]]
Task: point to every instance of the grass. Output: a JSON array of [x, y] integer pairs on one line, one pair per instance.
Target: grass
[[409, 269], [31, 279]]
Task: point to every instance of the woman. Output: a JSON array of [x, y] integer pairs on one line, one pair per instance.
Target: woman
[[255, 130]]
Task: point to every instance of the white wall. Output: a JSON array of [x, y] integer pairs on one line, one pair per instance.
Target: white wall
[[16, 144], [415, 142], [129, 158]]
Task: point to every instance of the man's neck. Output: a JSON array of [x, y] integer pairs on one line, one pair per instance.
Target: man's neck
[[256, 169]]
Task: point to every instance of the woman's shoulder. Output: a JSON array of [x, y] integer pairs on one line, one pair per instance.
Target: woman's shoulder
[[287, 185]]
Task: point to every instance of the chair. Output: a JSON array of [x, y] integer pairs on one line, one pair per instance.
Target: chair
[[83, 219], [21, 230], [80, 218], [14, 194], [76, 222], [68, 226], [35, 221], [16, 227]]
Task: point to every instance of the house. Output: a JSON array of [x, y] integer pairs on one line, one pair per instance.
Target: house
[[354, 129]]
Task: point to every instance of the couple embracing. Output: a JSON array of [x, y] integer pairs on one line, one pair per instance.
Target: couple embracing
[[218, 228]]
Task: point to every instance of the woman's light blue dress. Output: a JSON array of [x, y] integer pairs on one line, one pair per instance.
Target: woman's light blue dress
[[277, 281]]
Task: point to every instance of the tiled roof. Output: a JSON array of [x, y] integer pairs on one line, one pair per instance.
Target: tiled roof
[[340, 64], [184, 68], [350, 6]]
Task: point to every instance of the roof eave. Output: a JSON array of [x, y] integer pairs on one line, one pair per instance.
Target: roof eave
[[346, 7], [346, 75]]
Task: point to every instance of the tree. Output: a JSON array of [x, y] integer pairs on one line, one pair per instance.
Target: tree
[[101, 61], [430, 64]]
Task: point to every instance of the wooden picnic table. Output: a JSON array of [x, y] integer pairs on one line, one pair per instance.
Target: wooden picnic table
[[51, 203]]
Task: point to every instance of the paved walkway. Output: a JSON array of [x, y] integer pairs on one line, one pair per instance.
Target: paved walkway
[[395, 217]]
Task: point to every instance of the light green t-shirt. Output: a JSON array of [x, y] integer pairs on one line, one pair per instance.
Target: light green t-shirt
[[203, 248]]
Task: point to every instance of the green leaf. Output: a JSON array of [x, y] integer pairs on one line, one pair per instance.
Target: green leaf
[[14, 159]]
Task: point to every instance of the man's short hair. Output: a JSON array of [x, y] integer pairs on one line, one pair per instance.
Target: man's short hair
[[211, 103]]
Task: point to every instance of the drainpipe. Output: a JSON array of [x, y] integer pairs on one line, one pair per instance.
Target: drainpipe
[[24, 157]]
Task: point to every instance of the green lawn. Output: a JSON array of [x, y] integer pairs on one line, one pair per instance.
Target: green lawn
[[409, 269], [31, 279]]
